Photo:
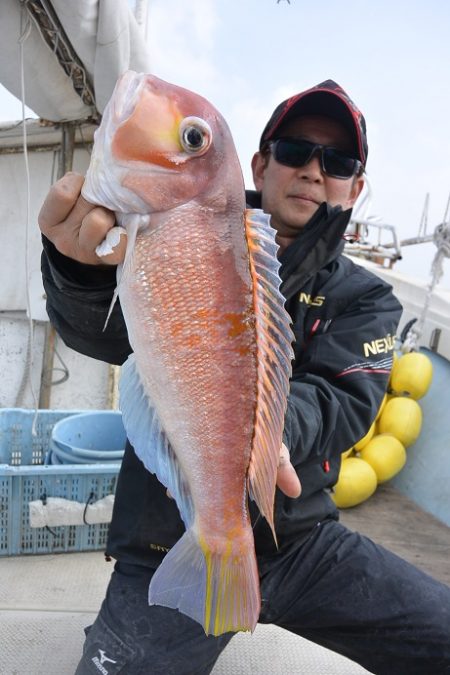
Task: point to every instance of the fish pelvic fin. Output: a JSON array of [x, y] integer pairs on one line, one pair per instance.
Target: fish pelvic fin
[[274, 355], [149, 440], [218, 589]]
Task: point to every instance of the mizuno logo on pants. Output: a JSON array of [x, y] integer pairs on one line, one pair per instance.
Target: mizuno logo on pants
[[98, 662]]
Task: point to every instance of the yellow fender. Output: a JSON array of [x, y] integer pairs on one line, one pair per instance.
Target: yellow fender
[[386, 455], [411, 375], [357, 482], [401, 417]]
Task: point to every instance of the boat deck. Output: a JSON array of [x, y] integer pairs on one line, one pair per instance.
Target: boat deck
[[45, 601], [391, 519]]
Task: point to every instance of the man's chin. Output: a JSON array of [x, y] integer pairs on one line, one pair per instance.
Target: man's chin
[[294, 226], [291, 224], [301, 216]]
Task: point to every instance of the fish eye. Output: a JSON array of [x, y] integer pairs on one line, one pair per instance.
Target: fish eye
[[195, 135]]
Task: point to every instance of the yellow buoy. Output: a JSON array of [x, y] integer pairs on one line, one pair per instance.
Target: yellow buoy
[[357, 482], [365, 439], [386, 455], [411, 375], [345, 454], [401, 417]]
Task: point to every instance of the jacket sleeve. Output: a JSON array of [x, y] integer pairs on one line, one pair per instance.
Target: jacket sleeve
[[78, 300], [341, 375]]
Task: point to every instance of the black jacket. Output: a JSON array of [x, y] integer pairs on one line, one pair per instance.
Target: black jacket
[[344, 320]]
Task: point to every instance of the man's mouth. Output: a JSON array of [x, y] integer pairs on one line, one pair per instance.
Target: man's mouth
[[304, 198]]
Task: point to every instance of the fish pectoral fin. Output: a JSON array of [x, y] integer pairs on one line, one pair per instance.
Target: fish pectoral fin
[[133, 223], [218, 590], [274, 338], [150, 442]]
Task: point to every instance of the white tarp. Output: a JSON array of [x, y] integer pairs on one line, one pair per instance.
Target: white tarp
[[19, 271], [108, 41], [104, 34]]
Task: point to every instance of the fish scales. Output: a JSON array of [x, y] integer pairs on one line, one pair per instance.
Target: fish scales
[[195, 345], [203, 395]]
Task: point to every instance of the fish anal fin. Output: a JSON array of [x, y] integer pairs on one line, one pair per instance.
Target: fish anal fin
[[274, 349], [149, 439]]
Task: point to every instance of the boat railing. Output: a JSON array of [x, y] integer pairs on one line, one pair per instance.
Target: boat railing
[[364, 239]]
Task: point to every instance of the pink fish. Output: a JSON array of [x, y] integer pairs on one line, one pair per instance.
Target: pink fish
[[203, 396]]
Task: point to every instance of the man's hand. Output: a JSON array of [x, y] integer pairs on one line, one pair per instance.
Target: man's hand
[[75, 226], [287, 479]]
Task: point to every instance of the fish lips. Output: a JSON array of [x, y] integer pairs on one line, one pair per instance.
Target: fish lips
[[126, 95]]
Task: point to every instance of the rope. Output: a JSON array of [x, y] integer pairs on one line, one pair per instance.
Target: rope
[[89, 501], [441, 239], [26, 29]]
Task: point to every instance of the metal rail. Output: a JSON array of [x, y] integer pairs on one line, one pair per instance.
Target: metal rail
[[361, 246]]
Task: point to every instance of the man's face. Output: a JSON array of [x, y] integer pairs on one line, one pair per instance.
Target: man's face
[[292, 195]]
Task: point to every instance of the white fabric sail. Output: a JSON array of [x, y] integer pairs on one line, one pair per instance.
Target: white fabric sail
[[105, 37]]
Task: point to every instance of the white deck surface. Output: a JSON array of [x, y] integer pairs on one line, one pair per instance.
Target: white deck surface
[[45, 601]]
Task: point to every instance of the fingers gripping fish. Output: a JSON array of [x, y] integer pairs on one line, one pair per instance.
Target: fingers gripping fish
[[203, 395]]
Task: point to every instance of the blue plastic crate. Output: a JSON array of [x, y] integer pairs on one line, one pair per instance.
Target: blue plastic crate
[[25, 478]]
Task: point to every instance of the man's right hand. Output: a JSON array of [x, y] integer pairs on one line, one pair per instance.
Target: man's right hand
[[75, 226]]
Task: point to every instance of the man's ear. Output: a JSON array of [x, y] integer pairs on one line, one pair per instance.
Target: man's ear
[[357, 187], [258, 169]]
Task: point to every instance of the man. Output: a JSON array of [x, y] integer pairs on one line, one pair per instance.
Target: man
[[324, 582]]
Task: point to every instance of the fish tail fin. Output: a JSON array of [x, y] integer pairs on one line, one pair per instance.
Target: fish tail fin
[[219, 590]]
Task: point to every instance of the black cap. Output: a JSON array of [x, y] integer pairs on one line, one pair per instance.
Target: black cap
[[328, 99]]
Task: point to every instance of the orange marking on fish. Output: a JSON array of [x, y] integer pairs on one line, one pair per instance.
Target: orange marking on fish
[[154, 143], [240, 323]]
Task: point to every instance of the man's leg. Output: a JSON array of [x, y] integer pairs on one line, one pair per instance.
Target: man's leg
[[346, 593], [131, 638]]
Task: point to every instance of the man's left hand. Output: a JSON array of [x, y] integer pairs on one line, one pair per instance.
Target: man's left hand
[[287, 479]]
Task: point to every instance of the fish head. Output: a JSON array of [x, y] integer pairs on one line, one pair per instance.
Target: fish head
[[167, 143]]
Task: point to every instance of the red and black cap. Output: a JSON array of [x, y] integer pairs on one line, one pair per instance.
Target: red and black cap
[[328, 99]]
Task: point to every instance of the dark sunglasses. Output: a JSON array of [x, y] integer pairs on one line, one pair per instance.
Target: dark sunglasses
[[295, 153]]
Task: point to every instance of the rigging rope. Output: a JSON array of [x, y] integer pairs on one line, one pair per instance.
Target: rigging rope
[[441, 238], [27, 377]]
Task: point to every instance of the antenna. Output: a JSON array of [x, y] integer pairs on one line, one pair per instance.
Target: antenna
[[424, 218], [446, 209]]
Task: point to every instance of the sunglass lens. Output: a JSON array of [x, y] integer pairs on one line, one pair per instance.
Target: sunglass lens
[[291, 153], [337, 164], [297, 153]]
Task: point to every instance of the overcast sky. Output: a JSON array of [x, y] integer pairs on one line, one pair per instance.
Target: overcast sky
[[392, 57]]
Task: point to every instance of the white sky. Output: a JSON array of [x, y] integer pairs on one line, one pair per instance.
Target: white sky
[[392, 56]]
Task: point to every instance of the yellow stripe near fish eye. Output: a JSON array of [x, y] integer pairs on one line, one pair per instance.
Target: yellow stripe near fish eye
[[150, 134]]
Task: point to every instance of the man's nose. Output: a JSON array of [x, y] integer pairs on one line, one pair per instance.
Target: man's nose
[[312, 170]]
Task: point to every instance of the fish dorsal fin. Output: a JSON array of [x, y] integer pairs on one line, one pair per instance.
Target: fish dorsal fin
[[149, 440], [274, 338]]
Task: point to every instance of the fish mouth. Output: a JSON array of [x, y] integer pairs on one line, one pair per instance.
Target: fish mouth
[[127, 95]]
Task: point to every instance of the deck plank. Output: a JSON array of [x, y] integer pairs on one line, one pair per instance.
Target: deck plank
[[395, 521]]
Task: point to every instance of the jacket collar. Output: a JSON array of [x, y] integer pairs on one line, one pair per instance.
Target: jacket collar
[[318, 243]]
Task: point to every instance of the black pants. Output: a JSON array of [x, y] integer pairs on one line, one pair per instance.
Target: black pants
[[338, 589]]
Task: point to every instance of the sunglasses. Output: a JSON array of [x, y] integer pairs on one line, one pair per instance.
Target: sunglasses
[[296, 153]]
